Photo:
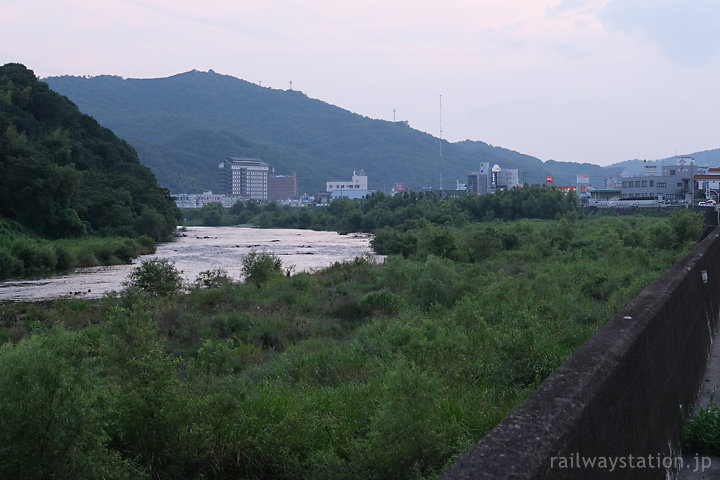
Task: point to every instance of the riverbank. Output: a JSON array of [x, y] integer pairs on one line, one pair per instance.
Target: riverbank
[[24, 254], [199, 249]]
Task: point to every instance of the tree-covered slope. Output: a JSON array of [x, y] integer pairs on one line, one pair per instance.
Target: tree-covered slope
[[63, 175], [183, 126]]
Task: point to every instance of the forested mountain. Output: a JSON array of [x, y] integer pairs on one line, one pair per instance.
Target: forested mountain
[[183, 126], [63, 175]]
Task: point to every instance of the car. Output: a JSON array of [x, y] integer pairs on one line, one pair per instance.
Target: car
[[707, 203]]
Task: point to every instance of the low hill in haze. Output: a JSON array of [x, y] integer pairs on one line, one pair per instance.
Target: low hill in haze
[[709, 158], [183, 126], [63, 175]]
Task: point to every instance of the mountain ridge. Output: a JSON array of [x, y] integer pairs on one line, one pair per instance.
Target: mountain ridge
[[184, 125]]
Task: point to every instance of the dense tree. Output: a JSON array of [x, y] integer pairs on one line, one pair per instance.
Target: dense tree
[[63, 175], [378, 210], [212, 214]]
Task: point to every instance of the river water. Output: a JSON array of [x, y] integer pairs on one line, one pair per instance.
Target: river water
[[200, 249]]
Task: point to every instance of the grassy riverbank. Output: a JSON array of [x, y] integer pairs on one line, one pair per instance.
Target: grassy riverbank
[[360, 370], [24, 253]]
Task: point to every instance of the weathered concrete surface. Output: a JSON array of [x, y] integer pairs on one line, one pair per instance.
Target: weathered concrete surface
[[617, 400], [699, 467]]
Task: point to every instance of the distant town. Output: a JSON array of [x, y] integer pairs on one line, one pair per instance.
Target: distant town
[[242, 179]]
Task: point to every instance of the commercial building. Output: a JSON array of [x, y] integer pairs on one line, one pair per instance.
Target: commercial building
[[282, 187], [246, 178], [488, 179], [709, 182], [614, 177], [357, 187], [673, 183], [195, 200]]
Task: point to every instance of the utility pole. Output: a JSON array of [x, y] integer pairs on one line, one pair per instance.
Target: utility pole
[[441, 141]]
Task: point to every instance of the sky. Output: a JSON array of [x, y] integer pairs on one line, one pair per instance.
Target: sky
[[598, 81]]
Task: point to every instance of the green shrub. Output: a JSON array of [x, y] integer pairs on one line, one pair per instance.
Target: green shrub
[[269, 335], [86, 258], [48, 257], [380, 301], [686, 225], [9, 265], [701, 433], [234, 323], [147, 244], [225, 356], [260, 267], [27, 252], [65, 258], [157, 277], [51, 412], [412, 432], [389, 241], [213, 279], [126, 251]]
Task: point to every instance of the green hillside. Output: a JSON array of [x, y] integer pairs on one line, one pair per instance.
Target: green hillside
[[63, 175], [183, 126]]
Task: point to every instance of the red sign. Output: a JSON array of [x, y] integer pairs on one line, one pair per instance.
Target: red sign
[[548, 179], [399, 187]]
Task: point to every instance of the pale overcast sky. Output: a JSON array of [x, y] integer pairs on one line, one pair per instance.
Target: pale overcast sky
[[597, 81]]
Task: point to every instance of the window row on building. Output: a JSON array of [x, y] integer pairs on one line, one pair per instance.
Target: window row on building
[[488, 179], [253, 179]]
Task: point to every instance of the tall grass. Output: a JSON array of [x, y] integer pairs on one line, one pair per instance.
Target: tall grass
[[24, 254], [360, 370]]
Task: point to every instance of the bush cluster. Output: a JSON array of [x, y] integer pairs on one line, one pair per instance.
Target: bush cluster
[[379, 210], [360, 370], [23, 254]]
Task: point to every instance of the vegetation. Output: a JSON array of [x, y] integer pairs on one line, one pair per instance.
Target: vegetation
[[360, 370], [402, 211], [157, 277], [65, 177], [701, 433], [23, 253], [261, 267], [184, 125]]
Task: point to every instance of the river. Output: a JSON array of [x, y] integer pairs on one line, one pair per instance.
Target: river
[[200, 249]]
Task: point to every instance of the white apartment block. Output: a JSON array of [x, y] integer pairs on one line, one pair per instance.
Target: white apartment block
[[357, 183]]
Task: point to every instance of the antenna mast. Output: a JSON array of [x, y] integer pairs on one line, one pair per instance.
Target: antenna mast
[[441, 140]]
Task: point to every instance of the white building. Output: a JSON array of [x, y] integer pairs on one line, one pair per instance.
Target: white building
[[356, 184], [195, 200], [357, 187]]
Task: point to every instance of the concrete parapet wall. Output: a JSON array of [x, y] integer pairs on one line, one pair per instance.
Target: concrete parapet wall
[[618, 399]]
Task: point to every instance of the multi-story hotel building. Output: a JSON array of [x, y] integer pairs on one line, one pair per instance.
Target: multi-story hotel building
[[244, 177]]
